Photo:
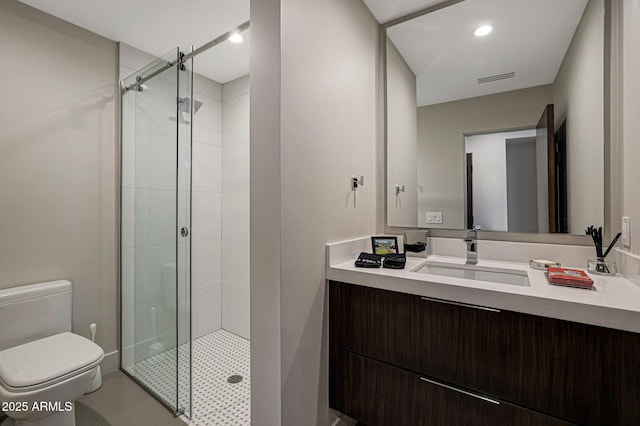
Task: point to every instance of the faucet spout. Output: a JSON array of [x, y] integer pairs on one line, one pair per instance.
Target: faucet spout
[[472, 246]]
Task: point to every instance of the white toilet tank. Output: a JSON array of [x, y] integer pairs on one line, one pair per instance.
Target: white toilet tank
[[34, 311]]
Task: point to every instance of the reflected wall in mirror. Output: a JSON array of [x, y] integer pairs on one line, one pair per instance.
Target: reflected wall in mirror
[[540, 72]]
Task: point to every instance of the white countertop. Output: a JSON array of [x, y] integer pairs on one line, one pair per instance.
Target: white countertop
[[615, 302]]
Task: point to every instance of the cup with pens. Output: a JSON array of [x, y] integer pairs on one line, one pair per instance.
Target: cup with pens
[[600, 265]]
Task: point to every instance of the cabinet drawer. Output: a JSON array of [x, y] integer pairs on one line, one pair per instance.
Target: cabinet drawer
[[376, 393], [456, 344]]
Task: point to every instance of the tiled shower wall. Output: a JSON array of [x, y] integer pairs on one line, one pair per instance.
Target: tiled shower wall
[[220, 209], [206, 207], [235, 206]]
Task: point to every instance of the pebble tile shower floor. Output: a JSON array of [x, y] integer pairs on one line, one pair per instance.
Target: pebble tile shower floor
[[216, 357]]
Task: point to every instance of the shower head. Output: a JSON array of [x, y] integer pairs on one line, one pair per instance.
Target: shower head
[[184, 105]]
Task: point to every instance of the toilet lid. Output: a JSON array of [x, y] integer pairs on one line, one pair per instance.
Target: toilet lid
[[48, 359]]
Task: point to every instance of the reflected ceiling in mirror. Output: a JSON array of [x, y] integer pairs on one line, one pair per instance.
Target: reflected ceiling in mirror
[[540, 69], [525, 48]]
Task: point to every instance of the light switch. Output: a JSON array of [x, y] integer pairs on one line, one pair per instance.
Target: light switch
[[626, 232], [434, 217]]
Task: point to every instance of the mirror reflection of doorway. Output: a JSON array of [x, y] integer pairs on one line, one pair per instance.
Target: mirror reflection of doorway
[[501, 196], [516, 181]]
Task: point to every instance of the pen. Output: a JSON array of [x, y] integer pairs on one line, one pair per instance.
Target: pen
[[613, 243]]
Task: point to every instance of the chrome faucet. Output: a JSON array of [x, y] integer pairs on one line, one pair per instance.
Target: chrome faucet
[[472, 246]]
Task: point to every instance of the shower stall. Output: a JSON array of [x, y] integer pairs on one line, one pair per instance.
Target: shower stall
[[184, 236]]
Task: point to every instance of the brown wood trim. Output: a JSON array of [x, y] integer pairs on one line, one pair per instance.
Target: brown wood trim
[[334, 301], [545, 129], [470, 190]]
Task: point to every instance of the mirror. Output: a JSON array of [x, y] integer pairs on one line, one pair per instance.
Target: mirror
[[502, 132]]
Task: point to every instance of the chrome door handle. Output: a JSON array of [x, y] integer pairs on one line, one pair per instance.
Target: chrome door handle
[[484, 398], [464, 305]]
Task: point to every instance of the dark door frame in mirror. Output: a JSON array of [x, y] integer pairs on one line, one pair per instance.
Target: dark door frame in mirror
[[612, 134]]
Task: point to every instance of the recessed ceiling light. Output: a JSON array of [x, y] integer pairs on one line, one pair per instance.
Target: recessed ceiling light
[[236, 38], [483, 30]]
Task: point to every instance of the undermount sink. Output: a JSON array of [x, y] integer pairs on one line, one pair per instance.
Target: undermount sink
[[473, 272]]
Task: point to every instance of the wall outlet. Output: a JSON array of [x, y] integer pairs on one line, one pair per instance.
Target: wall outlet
[[625, 238], [434, 217]]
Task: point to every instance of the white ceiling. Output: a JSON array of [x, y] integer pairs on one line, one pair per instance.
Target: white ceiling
[[530, 38], [387, 10], [158, 26], [438, 46]]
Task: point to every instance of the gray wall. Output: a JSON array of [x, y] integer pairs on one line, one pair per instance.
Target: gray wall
[[302, 198], [58, 168], [333, 65], [441, 144], [264, 215], [402, 136], [522, 190], [578, 96]]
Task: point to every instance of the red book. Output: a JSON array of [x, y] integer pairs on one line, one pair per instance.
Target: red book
[[570, 277]]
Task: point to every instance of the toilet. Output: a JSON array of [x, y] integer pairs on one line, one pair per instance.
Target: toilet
[[44, 368]]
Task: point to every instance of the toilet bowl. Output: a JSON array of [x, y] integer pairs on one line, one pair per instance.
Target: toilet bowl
[[42, 377]]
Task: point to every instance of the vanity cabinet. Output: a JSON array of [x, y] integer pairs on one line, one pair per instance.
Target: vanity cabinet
[[402, 359], [377, 393]]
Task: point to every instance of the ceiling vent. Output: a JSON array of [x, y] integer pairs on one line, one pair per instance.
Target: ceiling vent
[[496, 77]]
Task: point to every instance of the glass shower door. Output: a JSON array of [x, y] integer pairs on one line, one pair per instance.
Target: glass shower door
[[155, 223]]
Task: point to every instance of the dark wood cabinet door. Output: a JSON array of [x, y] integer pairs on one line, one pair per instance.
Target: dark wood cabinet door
[[372, 392], [376, 323], [457, 344], [453, 343], [378, 394], [586, 374]]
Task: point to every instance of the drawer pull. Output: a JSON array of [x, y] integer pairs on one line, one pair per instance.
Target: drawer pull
[[484, 398], [465, 305]]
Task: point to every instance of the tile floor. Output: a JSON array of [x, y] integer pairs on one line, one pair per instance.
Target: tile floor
[[216, 401], [216, 357], [121, 402]]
